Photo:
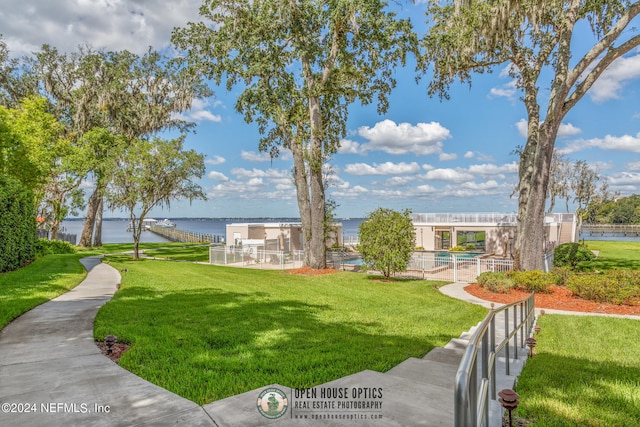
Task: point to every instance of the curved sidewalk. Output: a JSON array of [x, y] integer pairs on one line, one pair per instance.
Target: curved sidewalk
[[456, 290], [53, 374]]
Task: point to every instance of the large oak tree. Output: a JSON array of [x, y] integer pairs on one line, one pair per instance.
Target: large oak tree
[[537, 39], [301, 63], [128, 95]]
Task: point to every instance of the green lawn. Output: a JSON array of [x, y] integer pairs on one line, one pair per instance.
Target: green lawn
[[615, 254], [208, 332], [586, 373], [51, 276], [181, 252], [40, 281]]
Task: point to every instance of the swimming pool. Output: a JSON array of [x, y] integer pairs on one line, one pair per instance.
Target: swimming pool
[[441, 256]]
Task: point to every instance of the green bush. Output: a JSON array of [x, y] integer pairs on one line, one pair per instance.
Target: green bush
[[572, 255], [17, 225], [457, 249], [533, 280], [499, 282], [387, 240], [561, 275], [470, 247], [53, 247], [613, 286]]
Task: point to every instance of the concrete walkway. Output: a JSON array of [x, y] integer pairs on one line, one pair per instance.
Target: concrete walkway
[[52, 374]]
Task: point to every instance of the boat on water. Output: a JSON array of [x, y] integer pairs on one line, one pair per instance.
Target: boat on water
[[165, 223], [147, 223]]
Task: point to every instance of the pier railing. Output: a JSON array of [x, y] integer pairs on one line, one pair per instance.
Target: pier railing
[[613, 229], [176, 235]]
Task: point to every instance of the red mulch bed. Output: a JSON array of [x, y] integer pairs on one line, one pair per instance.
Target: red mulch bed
[[116, 350], [307, 271], [560, 298]]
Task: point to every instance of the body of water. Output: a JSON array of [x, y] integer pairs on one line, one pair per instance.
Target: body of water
[[115, 230]]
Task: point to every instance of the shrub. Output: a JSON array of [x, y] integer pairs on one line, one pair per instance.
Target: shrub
[[457, 249], [613, 286], [561, 275], [470, 247], [387, 240], [53, 247], [17, 225], [571, 255], [533, 280], [496, 282]]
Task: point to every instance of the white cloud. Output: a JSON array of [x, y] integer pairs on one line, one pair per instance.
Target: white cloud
[[444, 157], [508, 90], [488, 185], [626, 143], [624, 179], [387, 168], [348, 147], [219, 176], [468, 155], [216, 160], [252, 156], [392, 138], [565, 129], [399, 181], [242, 173], [522, 127], [486, 169], [633, 166], [609, 85], [449, 175], [199, 112], [109, 24]]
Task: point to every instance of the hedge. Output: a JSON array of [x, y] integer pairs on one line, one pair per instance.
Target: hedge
[[17, 225]]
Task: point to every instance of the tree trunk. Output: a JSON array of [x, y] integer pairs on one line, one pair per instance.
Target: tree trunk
[[318, 256], [535, 165], [89, 220], [302, 192], [137, 230], [97, 237]]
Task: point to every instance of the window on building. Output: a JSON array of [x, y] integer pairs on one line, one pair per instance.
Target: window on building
[[468, 238]]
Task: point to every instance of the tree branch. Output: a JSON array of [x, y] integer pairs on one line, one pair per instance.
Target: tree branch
[[612, 54], [603, 44]]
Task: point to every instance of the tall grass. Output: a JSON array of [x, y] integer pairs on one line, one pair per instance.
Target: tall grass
[[208, 332]]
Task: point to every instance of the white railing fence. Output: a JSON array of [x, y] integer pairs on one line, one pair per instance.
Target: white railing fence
[[452, 267], [255, 258]]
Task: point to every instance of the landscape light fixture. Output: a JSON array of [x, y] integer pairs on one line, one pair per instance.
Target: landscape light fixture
[[110, 340], [509, 401], [531, 343]]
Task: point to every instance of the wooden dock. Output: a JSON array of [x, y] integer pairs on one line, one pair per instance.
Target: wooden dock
[[175, 235], [632, 230]]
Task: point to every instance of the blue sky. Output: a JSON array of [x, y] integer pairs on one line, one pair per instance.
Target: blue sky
[[423, 154]]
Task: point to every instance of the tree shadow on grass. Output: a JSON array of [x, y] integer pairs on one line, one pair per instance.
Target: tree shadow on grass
[[613, 264], [570, 391], [209, 344]]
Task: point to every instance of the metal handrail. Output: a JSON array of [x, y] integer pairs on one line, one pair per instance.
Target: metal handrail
[[471, 400]]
